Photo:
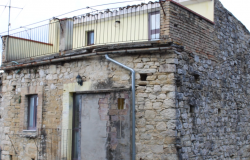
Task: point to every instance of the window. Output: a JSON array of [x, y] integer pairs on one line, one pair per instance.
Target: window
[[32, 112], [90, 38], [154, 25]]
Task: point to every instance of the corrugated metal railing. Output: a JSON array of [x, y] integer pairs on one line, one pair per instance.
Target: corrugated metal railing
[[33, 42], [119, 25], [48, 144]]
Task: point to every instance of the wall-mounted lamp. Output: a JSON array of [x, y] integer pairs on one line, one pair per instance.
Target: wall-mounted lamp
[[79, 80]]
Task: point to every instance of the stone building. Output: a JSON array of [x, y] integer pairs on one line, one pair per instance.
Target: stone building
[[72, 96]]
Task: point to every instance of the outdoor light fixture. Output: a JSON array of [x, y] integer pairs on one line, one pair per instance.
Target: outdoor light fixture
[[79, 80]]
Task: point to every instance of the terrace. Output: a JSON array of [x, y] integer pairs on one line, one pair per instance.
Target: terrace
[[131, 24]]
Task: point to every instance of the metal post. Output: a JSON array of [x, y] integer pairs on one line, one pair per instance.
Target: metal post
[[7, 46], [0, 153], [9, 19]]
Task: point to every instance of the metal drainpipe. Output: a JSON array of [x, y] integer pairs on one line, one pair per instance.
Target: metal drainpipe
[[133, 101]]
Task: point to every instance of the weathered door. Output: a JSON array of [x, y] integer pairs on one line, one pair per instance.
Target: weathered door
[[103, 128]]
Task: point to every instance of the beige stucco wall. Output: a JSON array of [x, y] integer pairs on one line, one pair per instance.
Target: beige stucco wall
[[205, 9], [131, 28]]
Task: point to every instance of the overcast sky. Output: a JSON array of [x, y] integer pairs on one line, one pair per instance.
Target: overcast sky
[[37, 10]]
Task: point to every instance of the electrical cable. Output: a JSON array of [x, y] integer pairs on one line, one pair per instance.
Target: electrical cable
[[72, 12], [22, 10], [4, 9]]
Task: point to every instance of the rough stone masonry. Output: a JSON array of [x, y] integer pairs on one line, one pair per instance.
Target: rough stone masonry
[[192, 102]]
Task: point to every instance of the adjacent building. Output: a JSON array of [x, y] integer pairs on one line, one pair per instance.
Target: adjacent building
[[156, 81]]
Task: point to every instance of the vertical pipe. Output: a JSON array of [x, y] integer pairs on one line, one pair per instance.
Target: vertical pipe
[[133, 100], [0, 153]]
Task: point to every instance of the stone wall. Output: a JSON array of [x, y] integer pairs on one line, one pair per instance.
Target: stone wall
[[155, 92], [190, 104], [213, 95]]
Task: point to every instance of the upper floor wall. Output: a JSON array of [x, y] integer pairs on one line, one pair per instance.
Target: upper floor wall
[[124, 25], [169, 21]]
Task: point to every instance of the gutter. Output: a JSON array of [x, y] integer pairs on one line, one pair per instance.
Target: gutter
[[84, 55], [133, 100]]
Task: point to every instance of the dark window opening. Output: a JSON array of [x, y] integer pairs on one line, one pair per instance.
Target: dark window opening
[[32, 112], [10, 157], [121, 103], [0, 117], [32, 158], [192, 109], [219, 111], [178, 81], [14, 88], [90, 38], [175, 25], [143, 77], [197, 78]]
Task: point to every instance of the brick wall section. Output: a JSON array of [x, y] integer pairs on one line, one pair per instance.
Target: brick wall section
[[187, 29]]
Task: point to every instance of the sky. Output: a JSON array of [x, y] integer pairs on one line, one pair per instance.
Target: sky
[[38, 10]]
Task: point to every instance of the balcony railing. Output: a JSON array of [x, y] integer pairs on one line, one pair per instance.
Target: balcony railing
[[120, 25], [32, 42]]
